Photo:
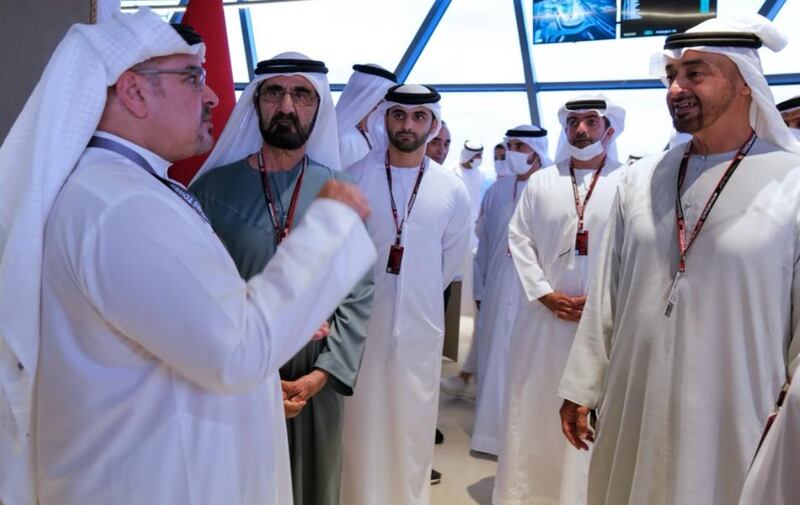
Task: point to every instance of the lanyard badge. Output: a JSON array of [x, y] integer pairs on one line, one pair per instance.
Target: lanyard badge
[[281, 231], [582, 237], [582, 243], [685, 244], [395, 259], [396, 250]]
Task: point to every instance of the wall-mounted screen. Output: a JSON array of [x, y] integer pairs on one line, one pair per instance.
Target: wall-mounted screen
[[645, 18], [573, 20]]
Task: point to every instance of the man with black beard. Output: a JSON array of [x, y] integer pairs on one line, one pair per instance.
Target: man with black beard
[[278, 149]]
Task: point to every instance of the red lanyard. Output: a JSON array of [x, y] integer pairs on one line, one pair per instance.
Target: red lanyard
[[683, 245], [398, 223], [280, 231], [580, 208]]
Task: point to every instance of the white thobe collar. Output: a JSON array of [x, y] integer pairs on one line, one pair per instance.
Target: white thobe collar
[[159, 164]]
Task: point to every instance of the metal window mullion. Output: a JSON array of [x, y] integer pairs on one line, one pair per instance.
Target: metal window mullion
[[421, 39], [249, 41], [531, 87]]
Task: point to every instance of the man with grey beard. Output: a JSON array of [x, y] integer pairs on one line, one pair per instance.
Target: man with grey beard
[[690, 328], [277, 151]]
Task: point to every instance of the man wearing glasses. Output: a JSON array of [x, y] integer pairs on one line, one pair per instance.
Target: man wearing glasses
[[278, 149], [148, 351]]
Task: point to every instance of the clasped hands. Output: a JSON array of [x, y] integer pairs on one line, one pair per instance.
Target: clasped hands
[[296, 393], [568, 308]]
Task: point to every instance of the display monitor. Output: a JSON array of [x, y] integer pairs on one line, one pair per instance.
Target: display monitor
[[645, 18], [573, 20]]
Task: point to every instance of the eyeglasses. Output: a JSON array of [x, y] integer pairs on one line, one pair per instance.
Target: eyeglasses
[[197, 74], [274, 94]]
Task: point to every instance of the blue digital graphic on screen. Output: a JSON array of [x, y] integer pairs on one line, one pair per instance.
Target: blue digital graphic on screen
[[646, 18], [573, 20]]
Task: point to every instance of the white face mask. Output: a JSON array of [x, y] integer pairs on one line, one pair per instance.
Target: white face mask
[[475, 162], [587, 152], [501, 168], [517, 162]]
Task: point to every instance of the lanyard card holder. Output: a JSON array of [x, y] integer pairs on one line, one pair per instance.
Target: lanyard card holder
[[395, 259], [582, 243]]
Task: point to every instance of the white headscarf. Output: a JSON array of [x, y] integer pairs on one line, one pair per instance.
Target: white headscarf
[[41, 149], [615, 115], [790, 105], [378, 118], [362, 92], [538, 144], [470, 150], [764, 117], [242, 134]]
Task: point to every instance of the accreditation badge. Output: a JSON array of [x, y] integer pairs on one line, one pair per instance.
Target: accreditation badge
[[395, 259], [582, 243]]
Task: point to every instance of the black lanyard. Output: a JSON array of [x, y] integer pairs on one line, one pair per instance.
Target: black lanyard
[[130, 154], [281, 229], [398, 223], [580, 208], [683, 245], [366, 138]]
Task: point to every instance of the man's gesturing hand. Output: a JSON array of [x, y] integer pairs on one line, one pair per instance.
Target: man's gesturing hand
[[348, 194]]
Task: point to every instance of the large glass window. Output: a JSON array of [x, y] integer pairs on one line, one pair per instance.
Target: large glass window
[[788, 60], [782, 93], [475, 42], [339, 33], [233, 26]]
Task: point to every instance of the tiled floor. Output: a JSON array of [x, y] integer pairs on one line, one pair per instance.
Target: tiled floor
[[467, 479]]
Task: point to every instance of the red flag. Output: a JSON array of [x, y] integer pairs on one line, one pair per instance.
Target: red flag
[[208, 19]]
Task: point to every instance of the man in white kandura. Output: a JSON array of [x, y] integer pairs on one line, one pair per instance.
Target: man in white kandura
[[420, 226], [554, 238], [497, 289], [150, 379], [469, 171], [363, 92], [501, 168], [690, 326], [772, 478]]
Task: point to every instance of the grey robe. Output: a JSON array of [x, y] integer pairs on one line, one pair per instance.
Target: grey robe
[[232, 197]]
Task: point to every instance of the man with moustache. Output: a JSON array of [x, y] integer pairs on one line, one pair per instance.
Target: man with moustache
[[149, 380], [253, 201], [421, 228], [438, 148], [690, 327], [554, 237]]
